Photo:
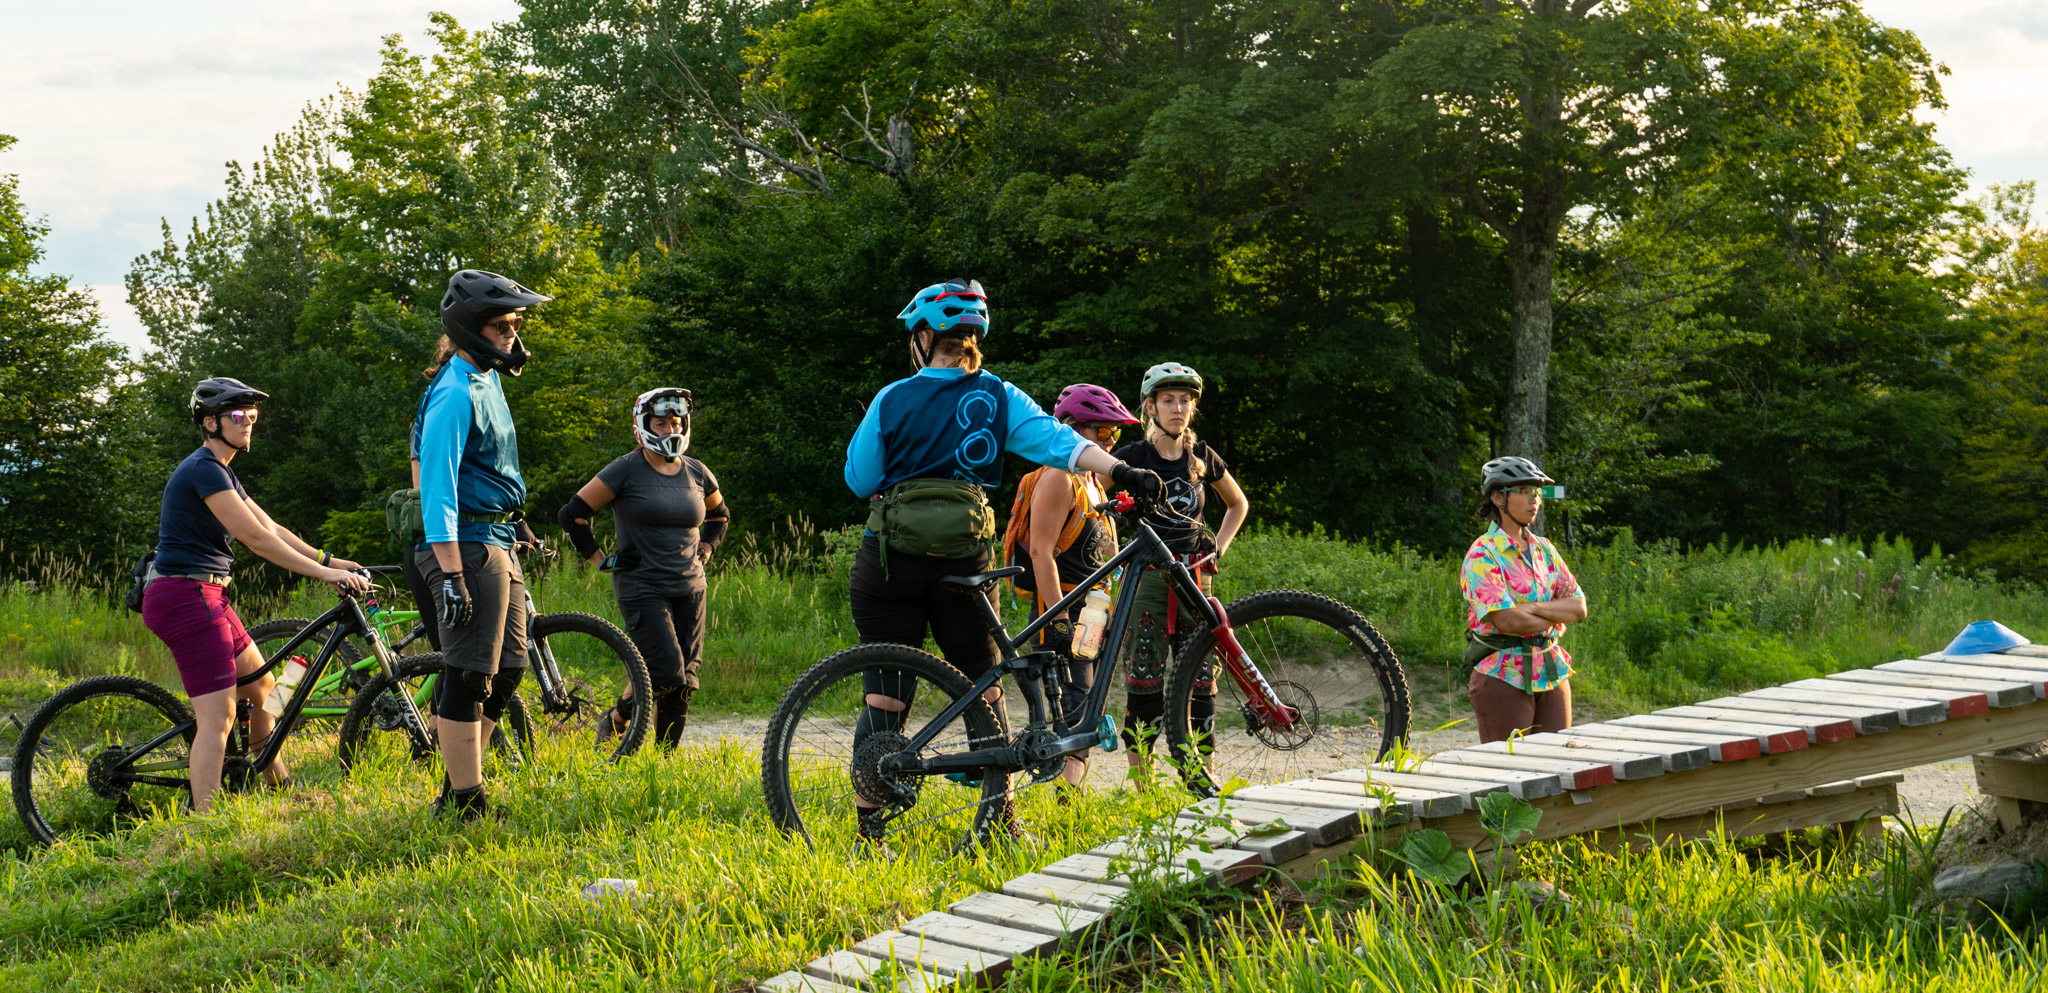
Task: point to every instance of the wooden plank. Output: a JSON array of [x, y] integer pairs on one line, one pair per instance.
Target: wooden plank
[[1213, 836], [854, 969], [1791, 815], [1880, 779], [1282, 793], [1328, 825], [1819, 730], [1911, 713], [2016, 778], [1098, 897], [1675, 756], [2028, 651], [1996, 660], [1274, 849], [1227, 865], [1960, 703], [1621, 764], [967, 933], [1867, 720], [1998, 693], [1025, 915], [1833, 789], [2035, 680], [1420, 803], [1468, 791], [1573, 774], [797, 982], [1724, 783], [1526, 785], [1774, 739], [926, 955], [1720, 747]]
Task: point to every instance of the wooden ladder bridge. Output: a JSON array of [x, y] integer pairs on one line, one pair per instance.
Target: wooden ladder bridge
[[1812, 752]]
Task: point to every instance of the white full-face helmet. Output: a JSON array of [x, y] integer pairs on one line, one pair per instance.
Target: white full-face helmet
[[668, 401]]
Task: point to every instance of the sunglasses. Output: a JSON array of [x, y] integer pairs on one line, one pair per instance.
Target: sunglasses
[[243, 416], [1527, 491], [1104, 433], [506, 325]]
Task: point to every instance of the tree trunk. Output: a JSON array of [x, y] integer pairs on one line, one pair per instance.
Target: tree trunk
[[1532, 262]]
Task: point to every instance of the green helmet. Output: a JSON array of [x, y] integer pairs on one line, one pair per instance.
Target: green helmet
[[1170, 375]]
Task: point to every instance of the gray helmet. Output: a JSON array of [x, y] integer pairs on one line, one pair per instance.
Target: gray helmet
[[1509, 470], [475, 298], [1170, 375]]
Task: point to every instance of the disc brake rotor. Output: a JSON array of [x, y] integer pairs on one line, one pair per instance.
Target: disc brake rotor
[[1286, 739]]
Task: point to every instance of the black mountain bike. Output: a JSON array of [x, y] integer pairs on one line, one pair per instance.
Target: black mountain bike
[[110, 749], [1305, 684]]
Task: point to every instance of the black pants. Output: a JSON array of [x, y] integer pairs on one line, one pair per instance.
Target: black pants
[[422, 598], [669, 631], [909, 603]]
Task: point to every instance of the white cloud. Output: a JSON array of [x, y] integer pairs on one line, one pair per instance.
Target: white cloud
[[120, 320]]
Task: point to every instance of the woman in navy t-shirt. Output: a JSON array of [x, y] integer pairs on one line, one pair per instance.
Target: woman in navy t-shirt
[[205, 510]]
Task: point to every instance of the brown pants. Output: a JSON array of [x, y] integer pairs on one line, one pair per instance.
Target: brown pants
[[1502, 710]]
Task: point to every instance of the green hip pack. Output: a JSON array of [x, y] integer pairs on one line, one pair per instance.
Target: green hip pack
[[933, 518], [1479, 646]]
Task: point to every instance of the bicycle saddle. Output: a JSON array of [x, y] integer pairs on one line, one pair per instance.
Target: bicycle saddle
[[980, 580]]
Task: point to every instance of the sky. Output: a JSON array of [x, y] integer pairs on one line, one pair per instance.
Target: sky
[[127, 112]]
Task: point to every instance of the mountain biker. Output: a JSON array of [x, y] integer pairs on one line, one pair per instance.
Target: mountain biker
[[1170, 392], [1519, 597], [935, 440], [1056, 531], [205, 511], [471, 493], [669, 518]]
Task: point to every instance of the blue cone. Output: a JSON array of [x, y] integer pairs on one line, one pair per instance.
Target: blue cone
[[1985, 636]]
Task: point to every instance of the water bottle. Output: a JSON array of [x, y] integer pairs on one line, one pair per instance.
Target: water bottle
[[1094, 619], [294, 670]]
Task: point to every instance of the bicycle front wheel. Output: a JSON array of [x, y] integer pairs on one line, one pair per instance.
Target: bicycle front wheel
[[595, 664], [379, 724], [825, 747], [100, 753], [1320, 657]]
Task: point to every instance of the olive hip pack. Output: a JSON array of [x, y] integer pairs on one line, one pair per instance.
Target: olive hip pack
[[934, 518]]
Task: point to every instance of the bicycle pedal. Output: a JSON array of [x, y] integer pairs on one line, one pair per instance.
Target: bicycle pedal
[[1106, 738]]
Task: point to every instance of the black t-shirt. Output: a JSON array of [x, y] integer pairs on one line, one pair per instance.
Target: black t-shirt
[[189, 539], [655, 518], [1184, 494]]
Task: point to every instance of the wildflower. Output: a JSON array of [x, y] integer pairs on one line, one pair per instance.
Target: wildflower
[[1827, 542]]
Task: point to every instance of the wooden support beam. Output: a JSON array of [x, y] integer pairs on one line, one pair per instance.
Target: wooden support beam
[[2020, 779], [1802, 811], [1727, 783]]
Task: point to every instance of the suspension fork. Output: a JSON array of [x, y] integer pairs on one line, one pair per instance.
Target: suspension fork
[[1258, 693], [387, 661]]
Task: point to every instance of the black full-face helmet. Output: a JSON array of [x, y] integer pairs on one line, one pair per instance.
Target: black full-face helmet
[[475, 298]]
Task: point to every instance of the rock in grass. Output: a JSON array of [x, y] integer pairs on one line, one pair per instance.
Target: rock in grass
[[1996, 885], [1544, 896]]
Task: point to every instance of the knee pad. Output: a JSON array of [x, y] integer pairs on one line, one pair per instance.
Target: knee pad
[[502, 688], [461, 694]]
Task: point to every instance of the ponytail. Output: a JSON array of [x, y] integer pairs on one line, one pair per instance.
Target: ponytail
[[443, 351]]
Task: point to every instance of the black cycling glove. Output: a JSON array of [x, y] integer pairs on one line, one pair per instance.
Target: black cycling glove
[[1059, 636], [1144, 484], [456, 607]]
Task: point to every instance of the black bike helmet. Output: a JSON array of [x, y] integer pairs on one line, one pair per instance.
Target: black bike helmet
[[473, 299], [1509, 470], [212, 396]]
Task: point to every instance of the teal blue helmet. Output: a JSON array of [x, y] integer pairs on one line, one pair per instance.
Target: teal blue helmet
[[954, 307]]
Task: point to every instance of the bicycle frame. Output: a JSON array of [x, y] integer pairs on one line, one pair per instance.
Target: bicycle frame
[[349, 613], [1145, 548]]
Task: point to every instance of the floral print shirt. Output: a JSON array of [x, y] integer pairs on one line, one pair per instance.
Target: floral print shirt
[[1496, 576]]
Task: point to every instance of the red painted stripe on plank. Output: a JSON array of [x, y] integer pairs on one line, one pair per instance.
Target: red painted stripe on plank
[[1787, 742], [1837, 731], [1586, 779], [1969, 706], [1736, 751]]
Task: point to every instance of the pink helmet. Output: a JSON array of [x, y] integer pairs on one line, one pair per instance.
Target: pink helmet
[[1085, 402]]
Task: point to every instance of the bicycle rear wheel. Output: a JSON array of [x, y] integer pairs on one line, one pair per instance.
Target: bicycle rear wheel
[[597, 663], [1320, 657], [377, 723], [100, 753], [810, 763]]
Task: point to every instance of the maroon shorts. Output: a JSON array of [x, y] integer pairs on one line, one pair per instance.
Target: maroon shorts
[[200, 627]]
